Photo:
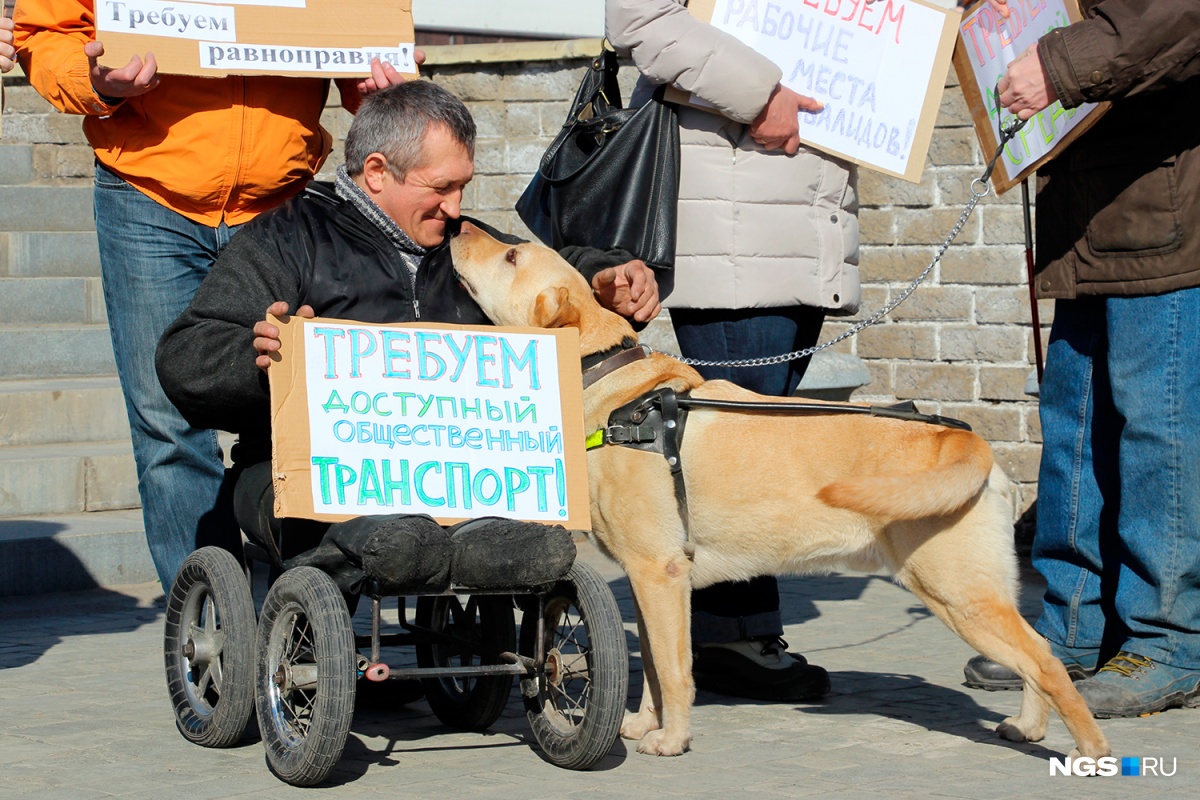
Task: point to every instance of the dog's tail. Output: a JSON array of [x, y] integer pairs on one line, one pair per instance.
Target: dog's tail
[[961, 464]]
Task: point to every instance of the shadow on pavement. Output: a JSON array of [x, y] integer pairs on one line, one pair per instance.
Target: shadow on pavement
[[33, 623], [910, 698]]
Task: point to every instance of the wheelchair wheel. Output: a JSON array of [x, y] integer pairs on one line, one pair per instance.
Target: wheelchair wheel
[[481, 627], [576, 706], [306, 676], [208, 647]]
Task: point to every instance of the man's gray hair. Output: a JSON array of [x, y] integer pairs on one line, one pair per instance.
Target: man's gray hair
[[394, 121]]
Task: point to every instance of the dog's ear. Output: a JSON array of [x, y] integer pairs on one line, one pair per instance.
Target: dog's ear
[[554, 309]]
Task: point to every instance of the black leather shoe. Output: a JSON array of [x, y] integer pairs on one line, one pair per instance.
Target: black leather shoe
[[983, 673], [758, 669]]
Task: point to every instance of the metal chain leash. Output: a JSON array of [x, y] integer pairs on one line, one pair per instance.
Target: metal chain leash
[[980, 188]]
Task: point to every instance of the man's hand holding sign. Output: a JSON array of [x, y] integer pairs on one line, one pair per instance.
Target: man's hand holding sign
[[1025, 88], [1000, 71], [861, 79]]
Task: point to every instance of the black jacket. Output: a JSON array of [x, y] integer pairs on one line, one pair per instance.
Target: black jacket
[[316, 249]]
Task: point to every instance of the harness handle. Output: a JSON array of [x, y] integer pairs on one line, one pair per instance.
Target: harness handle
[[905, 411]]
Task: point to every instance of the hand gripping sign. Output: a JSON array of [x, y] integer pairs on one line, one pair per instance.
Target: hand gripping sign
[[879, 67], [987, 45]]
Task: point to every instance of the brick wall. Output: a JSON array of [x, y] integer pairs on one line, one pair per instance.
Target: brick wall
[[961, 345]]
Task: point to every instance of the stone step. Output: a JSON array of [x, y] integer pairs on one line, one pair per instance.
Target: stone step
[[16, 164], [55, 351], [60, 411], [49, 254], [47, 208], [70, 552], [47, 301], [833, 376], [67, 478]]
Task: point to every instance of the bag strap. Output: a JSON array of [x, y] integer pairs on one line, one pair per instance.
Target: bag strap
[[610, 92], [598, 93]]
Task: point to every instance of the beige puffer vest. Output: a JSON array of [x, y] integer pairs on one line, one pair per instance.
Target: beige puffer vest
[[756, 228]]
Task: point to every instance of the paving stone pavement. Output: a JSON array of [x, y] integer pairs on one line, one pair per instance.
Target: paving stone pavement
[[84, 714]]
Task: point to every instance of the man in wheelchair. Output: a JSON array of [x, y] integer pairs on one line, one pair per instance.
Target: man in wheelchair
[[372, 247]]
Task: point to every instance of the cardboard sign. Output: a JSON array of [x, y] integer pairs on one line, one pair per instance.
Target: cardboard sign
[[453, 421], [315, 38], [987, 45], [878, 67]]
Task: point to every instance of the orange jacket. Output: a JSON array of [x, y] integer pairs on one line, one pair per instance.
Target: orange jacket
[[212, 149]]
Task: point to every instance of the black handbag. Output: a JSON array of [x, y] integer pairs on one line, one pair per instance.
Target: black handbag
[[610, 179]]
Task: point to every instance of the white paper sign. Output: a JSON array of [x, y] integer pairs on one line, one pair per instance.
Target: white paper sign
[[445, 423], [278, 59], [871, 64], [990, 44], [171, 19]]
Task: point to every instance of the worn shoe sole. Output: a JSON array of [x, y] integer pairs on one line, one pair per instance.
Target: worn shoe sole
[[977, 680], [1167, 702]]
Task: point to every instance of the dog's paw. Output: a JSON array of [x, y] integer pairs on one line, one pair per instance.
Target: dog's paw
[[636, 726], [1102, 752], [662, 743], [1012, 730]]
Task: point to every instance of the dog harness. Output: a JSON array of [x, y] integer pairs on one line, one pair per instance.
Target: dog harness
[[655, 422]]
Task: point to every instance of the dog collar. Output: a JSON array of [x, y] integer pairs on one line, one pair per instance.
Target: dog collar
[[612, 363]]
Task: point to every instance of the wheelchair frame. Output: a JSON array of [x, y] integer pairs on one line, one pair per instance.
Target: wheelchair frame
[[297, 661]]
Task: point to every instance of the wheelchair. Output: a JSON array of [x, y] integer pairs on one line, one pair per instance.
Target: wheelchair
[[296, 662]]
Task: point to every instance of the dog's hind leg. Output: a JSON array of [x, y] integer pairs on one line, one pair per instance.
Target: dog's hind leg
[[989, 622], [1046, 684], [662, 588]]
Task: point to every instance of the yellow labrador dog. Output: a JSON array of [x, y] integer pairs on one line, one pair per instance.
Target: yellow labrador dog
[[768, 494]]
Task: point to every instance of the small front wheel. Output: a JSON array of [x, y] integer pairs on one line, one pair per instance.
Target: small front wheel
[[580, 694], [468, 631], [208, 647], [306, 676]]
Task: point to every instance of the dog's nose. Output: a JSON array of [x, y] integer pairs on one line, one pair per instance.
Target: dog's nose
[[461, 227]]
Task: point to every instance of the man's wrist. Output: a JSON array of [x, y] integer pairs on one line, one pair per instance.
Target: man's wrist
[[108, 101]]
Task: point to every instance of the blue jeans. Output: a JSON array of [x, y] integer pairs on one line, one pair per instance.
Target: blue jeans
[[1118, 536], [730, 612], [152, 261]]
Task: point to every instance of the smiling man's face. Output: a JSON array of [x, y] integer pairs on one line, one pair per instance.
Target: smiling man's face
[[430, 194]]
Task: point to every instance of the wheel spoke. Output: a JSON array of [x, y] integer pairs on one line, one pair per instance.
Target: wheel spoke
[[209, 612], [297, 704], [567, 709], [570, 693], [203, 682]]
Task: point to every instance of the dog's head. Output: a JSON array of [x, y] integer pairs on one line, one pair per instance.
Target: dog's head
[[530, 285]]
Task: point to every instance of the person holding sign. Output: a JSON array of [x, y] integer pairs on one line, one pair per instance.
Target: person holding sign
[[373, 247], [1118, 248], [181, 163], [767, 244]]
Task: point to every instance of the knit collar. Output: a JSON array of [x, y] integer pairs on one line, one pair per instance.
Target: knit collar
[[352, 193]]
